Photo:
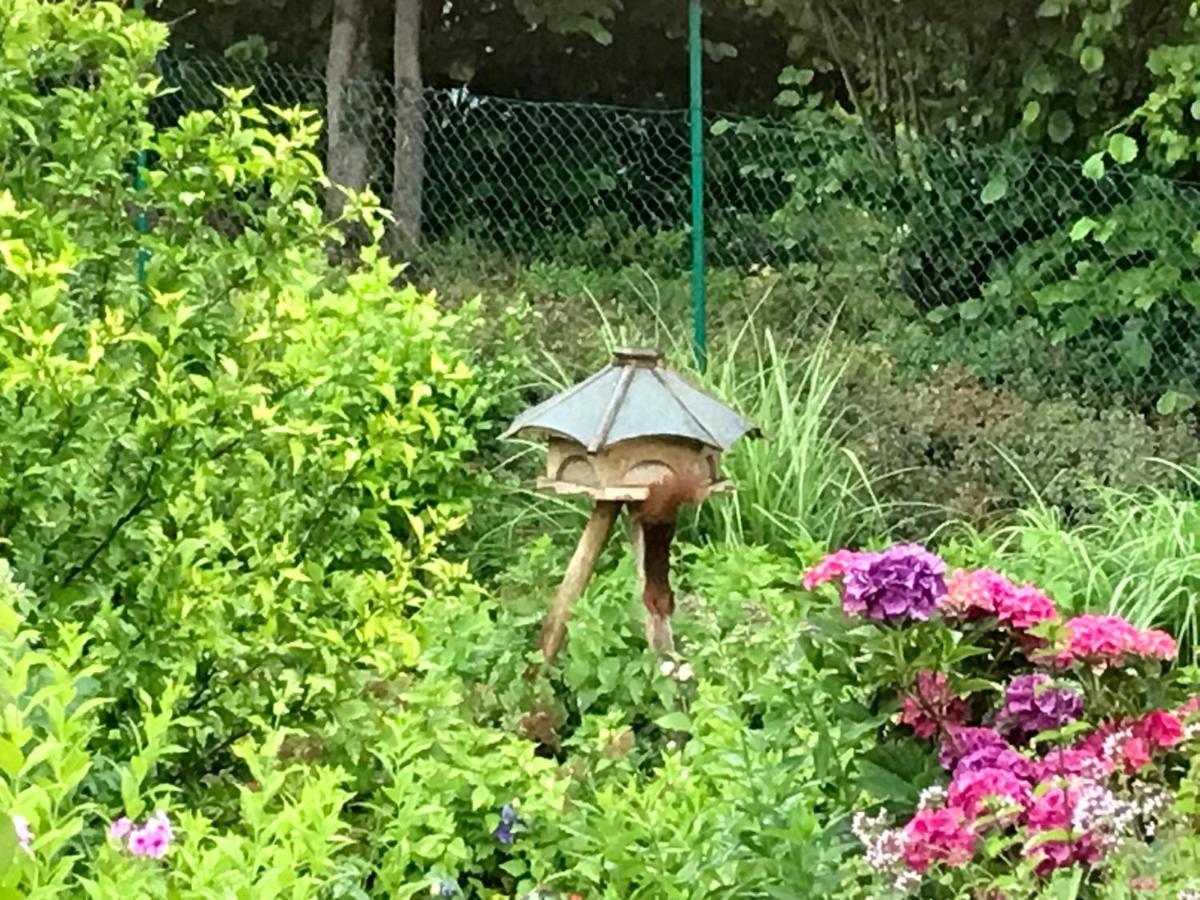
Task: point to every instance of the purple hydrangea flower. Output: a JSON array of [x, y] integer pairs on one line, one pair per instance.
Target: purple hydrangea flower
[[905, 582], [961, 743], [1032, 705]]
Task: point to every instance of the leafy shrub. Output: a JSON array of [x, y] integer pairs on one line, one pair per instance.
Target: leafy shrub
[[950, 446], [238, 474]]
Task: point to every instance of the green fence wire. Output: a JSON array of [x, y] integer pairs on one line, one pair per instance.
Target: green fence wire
[[1057, 280]]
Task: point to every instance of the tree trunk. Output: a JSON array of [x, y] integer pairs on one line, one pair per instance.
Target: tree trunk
[[408, 165], [348, 108]]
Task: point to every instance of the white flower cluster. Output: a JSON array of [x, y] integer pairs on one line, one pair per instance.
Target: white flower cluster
[[1103, 816], [681, 673], [933, 797]]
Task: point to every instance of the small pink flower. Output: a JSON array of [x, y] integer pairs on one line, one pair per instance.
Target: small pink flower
[[24, 833], [119, 828], [831, 567], [153, 839], [938, 835]]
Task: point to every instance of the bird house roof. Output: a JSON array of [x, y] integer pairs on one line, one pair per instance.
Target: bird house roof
[[635, 397]]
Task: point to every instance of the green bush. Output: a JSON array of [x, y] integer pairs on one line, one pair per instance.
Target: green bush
[[239, 473]]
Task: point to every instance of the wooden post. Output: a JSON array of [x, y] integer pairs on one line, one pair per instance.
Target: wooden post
[[579, 573], [658, 626]]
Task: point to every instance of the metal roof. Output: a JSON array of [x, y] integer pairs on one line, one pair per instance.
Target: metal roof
[[635, 397]]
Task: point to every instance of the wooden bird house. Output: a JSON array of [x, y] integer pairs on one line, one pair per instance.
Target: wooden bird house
[[626, 431]]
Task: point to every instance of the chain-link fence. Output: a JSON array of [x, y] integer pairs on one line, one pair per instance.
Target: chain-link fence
[[1018, 265]]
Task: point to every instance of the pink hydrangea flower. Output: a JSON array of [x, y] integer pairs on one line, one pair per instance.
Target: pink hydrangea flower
[[1111, 640], [983, 592], [1024, 607], [976, 791], [830, 568], [933, 706], [1053, 811], [1155, 644], [938, 835], [24, 833], [1073, 762]]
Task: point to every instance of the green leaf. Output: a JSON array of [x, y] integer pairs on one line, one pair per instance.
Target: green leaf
[[1060, 126], [1122, 148], [971, 309], [798, 77], [995, 189], [1083, 228], [1032, 112], [1196, 243], [11, 758], [1094, 167], [674, 721], [789, 98], [1092, 59], [1172, 402], [1195, 110], [8, 842], [721, 126], [1050, 9]]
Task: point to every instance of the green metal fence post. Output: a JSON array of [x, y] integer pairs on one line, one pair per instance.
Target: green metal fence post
[[696, 116], [139, 182]]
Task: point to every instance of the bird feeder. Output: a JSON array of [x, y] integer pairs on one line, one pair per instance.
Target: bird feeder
[[636, 435]]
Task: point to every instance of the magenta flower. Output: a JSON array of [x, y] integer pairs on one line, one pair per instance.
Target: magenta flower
[[1101, 641], [974, 792], [1053, 811], [152, 840], [903, 583], [938, 835]]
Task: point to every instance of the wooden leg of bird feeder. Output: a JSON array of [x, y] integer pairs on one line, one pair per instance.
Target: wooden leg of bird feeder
[[579, 572], [658, 623]]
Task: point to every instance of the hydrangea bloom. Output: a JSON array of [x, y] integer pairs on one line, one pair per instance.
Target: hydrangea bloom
[[933, 706], [1072, 762], [1033, 705], [903, 583], [976, 791], [24, 833], [1053, 811], [938, 835], [831, 567], [1160, 729], [962, 742], [1110, 640], [983, 592]]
